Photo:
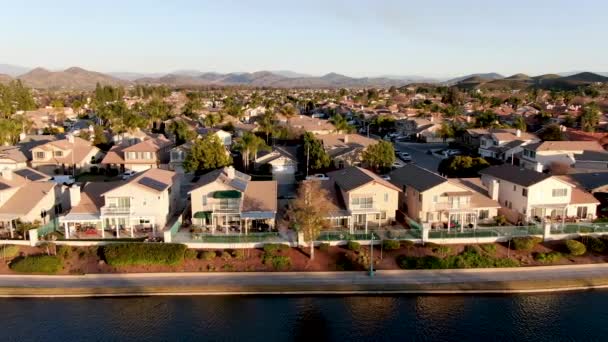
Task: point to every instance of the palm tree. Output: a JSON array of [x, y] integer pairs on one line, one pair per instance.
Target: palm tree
[[267, 123], [249, 145]]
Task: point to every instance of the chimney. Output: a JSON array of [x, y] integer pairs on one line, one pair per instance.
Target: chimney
[[7, 174], [229, 170], [22, 136], [70, 138], [518, 133], [432, 118], [346, 138], [493, 189], [74, 195]]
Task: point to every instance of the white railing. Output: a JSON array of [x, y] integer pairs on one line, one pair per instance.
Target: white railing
[[116, 211]]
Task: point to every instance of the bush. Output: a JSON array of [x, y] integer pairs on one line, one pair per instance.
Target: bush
[[274, 248], [408, 244], [9, 251], [49, 264], [324, 246], [594, 244], [500, 220], [548, 258], [489, 248], [94, 170], [190, 254], [469, 258], [442, 250], [226, 256], [207, 255], [64, 251], [576, 248], [425, 262], [353, 246], [390, 245], [278, 262], [124, 254], [525, 243], [238, 254]]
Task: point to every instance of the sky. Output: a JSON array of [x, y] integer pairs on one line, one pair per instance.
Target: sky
[[358, 38]]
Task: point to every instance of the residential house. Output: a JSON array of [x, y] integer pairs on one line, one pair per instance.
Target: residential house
[[139, 155], [65, 154], [228, 201], [283, 163], [580, 154], [423, 129], [27, 195], [224, 137], [504, 144], [346, 149], [590, 181], [138, 207], [359, 199], [11, 157], [527, 195], [309, 124], [439, 202], [177, 156]]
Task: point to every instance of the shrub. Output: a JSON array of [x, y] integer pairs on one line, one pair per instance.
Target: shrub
[[274, 248], [548, 258], [207, 255], [408, 244], [49, 264], [500, 220], [278, 262], [64, 251], [425, 262], [489, 248], [123, 254], [226, 256], [525, 243], [238, 254], [469, 258], [442, 250], [594, 244], [190, 254], [353, 246], [390, 245], [576, 248], [324, 246], [94, 170], [9, 251]]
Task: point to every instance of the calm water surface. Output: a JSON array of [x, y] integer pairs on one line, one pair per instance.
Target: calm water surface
[[547, 317]]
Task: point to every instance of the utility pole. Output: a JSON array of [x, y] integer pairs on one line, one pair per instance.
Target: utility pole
[[307, 158]]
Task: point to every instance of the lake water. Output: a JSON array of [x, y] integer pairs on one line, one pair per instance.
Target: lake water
[[547, 317]]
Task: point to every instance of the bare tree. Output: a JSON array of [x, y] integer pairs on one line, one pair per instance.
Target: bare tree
[[309, 211]]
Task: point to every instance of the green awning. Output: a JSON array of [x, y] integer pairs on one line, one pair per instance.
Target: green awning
[[202, 215], [227, 194]]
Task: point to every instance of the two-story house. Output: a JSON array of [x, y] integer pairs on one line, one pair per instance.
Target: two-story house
[[224, 137], [504, 144], [27, 195], [526, 195], [228, 201], [12, 158], [346, 149], [64, 155], [313, 125], [580, 154], [140, 206], [283, 163], [139, 155], [429, 198], [359, 199]]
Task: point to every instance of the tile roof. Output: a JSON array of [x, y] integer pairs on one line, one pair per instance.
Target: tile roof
[[90, 197], [582, 197], [479, 197], [13, 153], [566, 146], [308, 123], [416, 177], [260, 196], [149, 145], [28, 196]]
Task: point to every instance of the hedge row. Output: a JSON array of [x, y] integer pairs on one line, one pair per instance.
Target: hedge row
[[49, 264], [125, 254], [469, 258]]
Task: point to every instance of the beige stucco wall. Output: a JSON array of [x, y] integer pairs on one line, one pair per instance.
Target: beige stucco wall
[[378, 192], [196, 196]]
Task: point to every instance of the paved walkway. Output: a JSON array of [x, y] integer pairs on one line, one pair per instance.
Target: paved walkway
[[315, 282]]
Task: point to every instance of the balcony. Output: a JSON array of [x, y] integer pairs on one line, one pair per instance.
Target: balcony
[[367, 207], [116, 211]]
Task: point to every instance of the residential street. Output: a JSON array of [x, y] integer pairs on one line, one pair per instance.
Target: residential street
[[418, 151], [308, 281]]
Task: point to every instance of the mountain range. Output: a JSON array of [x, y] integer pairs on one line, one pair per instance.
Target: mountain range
[[79, 78]]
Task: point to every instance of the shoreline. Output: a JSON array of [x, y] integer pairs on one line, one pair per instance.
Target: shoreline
[[538, 279]]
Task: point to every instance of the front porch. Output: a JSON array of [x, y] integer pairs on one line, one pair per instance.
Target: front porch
[[357, 221], [90, 226], [209, 222], [456, 219]]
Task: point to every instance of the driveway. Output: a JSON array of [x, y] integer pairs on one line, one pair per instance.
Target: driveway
[[418, 151]]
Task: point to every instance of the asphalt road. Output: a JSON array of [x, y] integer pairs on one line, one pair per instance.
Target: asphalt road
[[418, 151], [306, 281]]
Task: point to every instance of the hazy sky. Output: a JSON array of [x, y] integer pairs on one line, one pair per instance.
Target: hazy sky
[[430, 37]]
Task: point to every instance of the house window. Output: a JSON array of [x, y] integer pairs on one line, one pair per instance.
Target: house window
[[435, 198], [144, 221], [204, 199], [39, 155], [363, 202], [484, 214], [560, 192], [581, 212], [58, 153], [524, 192]]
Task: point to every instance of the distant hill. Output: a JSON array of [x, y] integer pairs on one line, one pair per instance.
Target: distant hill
[[13, 70], [519, 77], [572, 81], [487, 76], [289, 74], [132, 76], [5, 78], [72, 78]]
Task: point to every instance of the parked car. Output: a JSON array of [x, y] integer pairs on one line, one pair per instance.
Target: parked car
[[406, 157], [65, 180], [318, 176], [397, 164], [128, 174], [451, 152], [402, 139]]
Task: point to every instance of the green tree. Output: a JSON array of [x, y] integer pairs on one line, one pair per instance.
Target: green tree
[[590, 117], [314, 152], [341, 124], [211, 120], [486, 119], [249, 145], [181, 131], [267, 123], [99, 135], [380, 155], [207, 154], [446, 131], [308, 212], [551, 133], [520, 123], [462, 166]]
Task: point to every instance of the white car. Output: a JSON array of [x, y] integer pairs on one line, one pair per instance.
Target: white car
[[397, 164], [128, 174], [65, 180], [386, 177], [406, 157], [318, 176]]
